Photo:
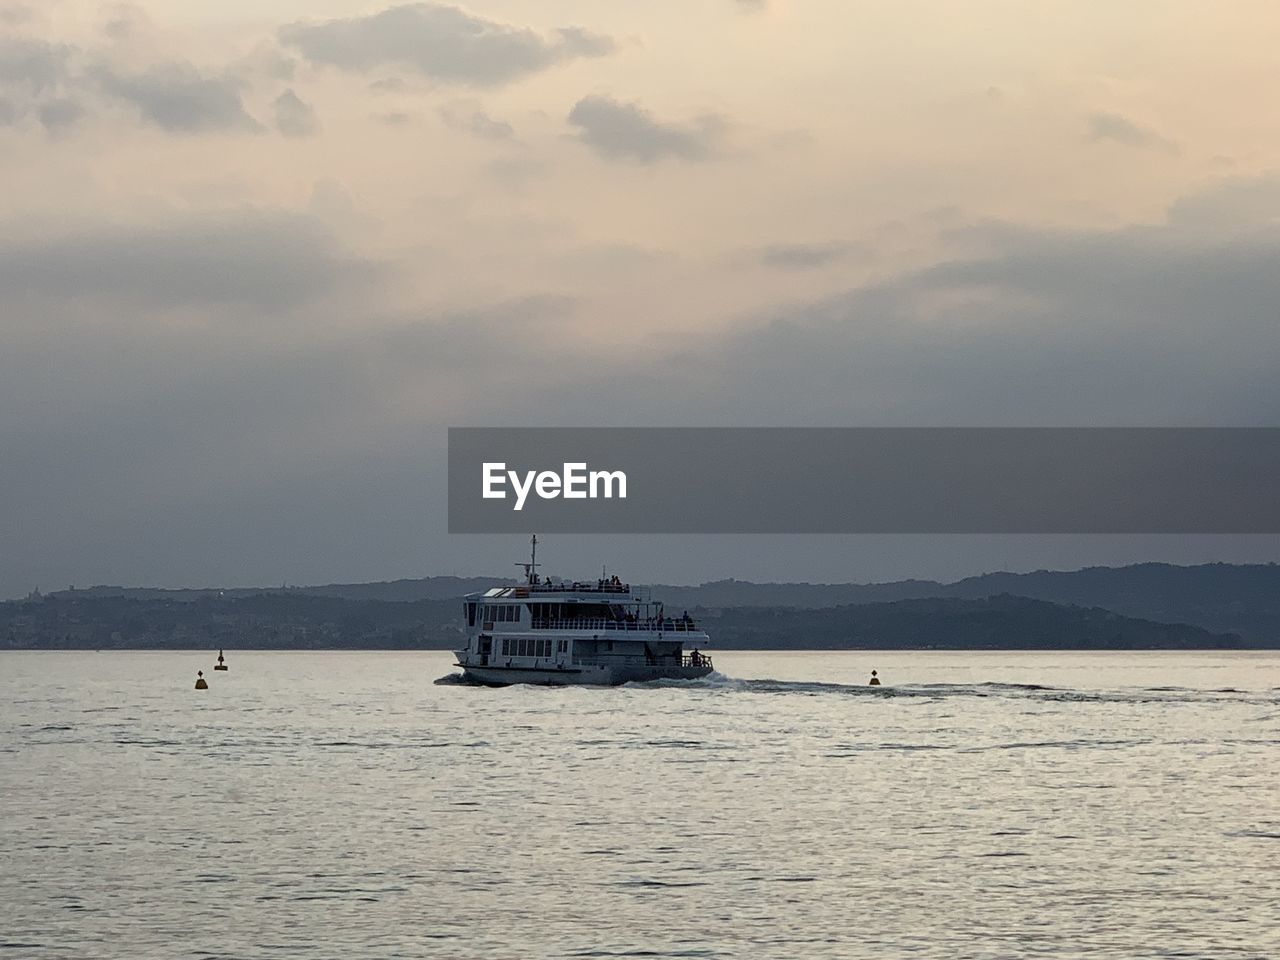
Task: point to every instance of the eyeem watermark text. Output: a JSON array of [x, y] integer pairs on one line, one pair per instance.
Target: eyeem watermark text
[[575, 482]]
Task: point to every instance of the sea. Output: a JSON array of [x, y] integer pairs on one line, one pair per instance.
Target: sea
[[345, 805]]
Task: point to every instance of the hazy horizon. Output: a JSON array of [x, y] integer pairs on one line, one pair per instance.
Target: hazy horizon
[[571, 571]]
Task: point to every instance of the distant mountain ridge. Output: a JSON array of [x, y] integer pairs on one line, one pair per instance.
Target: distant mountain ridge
[[1242, 599], [295, 620], [1235, 598], [404, 590], [948, 623]]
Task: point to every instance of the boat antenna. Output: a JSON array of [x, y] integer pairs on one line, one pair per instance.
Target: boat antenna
[[531, 568]]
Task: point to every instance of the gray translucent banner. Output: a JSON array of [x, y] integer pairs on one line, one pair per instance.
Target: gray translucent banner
[[865, 480]]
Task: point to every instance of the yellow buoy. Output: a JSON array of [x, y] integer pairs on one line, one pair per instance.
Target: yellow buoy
[[201, 684], [221, 665]]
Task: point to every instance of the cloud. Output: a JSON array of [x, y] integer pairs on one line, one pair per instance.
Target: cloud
[[57, 115], [15, 14], [178, 98], [619, 130], [1114, 128], [804, 255], [1231, 208], [441, 42], [33, 65], [266, 61], [467, 116], [1165, 325], [34, 78], [247, 439], [59, 84], [294, 116], [124, 21], [261, 259]]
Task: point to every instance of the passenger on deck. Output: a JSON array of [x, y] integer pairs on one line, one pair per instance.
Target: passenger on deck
[[695, 658]]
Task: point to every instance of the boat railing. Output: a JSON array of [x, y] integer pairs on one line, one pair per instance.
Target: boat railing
[[578, 586], [606, 625], [687, 660]]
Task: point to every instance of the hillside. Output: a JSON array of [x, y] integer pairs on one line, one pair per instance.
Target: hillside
[[1003, 622], [296, 620], [1219, 598]]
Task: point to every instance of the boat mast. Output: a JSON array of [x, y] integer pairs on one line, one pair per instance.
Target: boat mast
[[531, 568]]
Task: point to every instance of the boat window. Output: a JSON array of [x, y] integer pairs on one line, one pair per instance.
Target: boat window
[[506, 646], [471, 614]]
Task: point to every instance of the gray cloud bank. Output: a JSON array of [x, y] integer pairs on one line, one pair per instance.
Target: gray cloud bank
[[619, 130], [441, 42], [805, 255], [469, 117], [179, 98], [59, 85], [257, 259], [1115, 128], [176, 399], [294, 116]]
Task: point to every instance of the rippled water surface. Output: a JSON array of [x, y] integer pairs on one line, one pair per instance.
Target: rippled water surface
[[342, 805]]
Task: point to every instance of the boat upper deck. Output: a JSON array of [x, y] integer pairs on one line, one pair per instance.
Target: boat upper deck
[[600, 590]]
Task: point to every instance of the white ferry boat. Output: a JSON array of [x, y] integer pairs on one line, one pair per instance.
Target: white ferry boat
[[558, 632]]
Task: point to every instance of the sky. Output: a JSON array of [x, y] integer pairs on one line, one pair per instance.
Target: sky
[[255, 258]]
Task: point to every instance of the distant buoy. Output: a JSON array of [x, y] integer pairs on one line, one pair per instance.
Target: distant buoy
[[201, 684], [874, 681], [221, 665]]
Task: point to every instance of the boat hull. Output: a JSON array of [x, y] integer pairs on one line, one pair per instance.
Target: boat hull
[[597, 675]]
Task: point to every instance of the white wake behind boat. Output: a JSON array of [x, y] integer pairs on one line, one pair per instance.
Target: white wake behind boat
[[562, 633]]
